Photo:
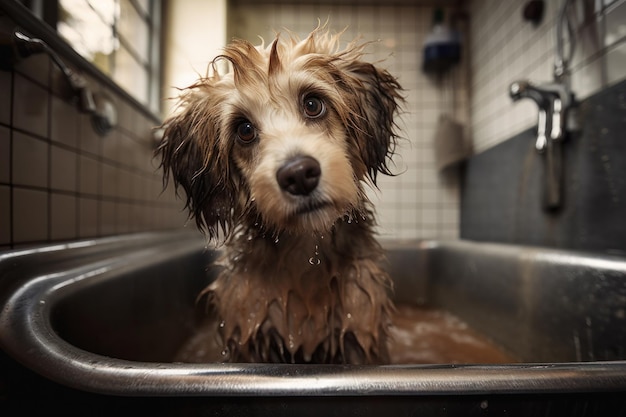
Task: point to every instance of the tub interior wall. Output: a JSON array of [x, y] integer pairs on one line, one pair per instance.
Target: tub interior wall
[[541, 305], [141, 314], [536, 311]]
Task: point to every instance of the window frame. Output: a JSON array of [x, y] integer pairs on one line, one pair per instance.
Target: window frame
[[47, 11]]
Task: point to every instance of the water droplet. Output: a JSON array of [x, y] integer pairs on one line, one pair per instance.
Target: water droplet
[[42, 302], [349, 316], [314, 260], [225, 352], [222, 324], [277, 239]]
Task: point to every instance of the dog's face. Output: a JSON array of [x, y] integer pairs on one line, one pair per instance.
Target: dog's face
[[285, 139]]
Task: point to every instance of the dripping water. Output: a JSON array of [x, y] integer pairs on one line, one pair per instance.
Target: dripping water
[[315, 260]]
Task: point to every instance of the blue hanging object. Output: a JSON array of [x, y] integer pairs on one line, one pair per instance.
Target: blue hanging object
[[442, 48]]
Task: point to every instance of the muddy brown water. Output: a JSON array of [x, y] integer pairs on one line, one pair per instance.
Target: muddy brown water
[[418, 336]]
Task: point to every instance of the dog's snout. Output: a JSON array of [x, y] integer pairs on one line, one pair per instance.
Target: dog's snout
[[299, 175]]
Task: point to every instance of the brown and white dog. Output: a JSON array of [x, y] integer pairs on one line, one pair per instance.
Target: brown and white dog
[[273, 157]]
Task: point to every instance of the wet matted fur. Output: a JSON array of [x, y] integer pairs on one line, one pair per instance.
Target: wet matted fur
[[273, 156]]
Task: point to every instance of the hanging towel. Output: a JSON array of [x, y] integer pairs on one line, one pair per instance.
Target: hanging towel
[[451, 146]]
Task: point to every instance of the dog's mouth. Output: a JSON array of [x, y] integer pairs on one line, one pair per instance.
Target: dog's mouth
[[311, 206], [313, 215]]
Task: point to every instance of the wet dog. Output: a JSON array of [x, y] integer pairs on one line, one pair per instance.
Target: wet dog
[[273, 156]]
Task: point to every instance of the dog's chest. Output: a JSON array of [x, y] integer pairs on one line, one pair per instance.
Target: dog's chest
[[300, 303]]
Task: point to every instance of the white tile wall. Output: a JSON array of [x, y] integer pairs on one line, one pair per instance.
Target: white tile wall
[[6, 81], [5, 155], [35, 151], [63, 222], [616, 63], [505, 48], [59, 180], [5, 215], [418, 203], [30, 215]]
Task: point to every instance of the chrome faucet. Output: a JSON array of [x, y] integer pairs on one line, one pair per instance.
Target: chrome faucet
[[17, 46], [554, 100]]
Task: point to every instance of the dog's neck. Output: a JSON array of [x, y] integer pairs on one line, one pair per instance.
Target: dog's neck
[[318, 293], [351, 236]]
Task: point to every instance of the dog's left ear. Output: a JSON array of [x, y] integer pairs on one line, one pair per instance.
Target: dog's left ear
[[371, 124], [191, 152]]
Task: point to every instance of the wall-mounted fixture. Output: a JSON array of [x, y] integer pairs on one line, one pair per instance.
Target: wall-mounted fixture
[[554, 101], [17, 46], [442, 48], [104, 117], [533, 11]]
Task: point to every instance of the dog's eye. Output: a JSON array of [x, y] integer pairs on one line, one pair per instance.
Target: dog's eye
[[313, 107], [246, 132]]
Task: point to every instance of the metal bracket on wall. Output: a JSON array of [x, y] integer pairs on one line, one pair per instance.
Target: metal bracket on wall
[[17, 46]]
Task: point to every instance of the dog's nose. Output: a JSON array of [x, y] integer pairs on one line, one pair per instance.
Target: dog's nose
[[299, 175]]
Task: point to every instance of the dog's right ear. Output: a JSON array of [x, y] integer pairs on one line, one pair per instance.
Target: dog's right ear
[[190, 150]]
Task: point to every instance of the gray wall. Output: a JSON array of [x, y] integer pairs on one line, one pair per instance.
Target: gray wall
[[502, 188]]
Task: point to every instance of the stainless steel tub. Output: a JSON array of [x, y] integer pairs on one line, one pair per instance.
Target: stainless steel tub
[[106, 316]]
